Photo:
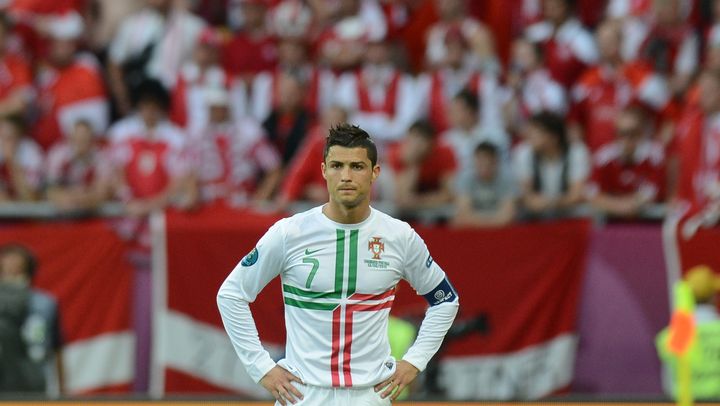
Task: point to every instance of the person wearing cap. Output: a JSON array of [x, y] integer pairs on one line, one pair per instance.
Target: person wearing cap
[[379, 96], [704, 352], [234, 162], [189, 109], [70, 85]]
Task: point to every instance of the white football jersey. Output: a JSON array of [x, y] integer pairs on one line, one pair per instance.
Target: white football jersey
[[338, 283]]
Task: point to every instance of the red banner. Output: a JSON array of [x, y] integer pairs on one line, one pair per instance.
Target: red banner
[[83, 265], [525, 278]]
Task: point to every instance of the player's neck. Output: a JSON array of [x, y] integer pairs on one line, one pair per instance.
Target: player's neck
[[346, 215]]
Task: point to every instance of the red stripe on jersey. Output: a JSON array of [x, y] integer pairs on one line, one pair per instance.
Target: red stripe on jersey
[[365, 296], [349, 310], [348, 345], [334, 357]]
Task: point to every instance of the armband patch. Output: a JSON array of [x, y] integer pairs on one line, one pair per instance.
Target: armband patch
[[444, 292], [251, 258]]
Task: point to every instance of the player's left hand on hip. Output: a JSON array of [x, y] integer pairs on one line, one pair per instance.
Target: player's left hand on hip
[[405, 373]]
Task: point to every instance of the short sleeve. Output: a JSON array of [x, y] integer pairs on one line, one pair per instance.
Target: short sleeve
[[420, 270], [261, 265]]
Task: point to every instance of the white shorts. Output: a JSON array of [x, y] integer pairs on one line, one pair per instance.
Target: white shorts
[[321, 396]]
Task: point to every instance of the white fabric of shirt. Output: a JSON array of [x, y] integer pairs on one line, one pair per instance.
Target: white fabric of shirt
[[289, 249]]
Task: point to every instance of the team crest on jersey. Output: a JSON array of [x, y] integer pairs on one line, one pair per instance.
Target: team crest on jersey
[[251, 258], [376, 247]]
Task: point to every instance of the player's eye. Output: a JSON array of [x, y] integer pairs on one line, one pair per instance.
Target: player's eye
[[335, 165], [357, 167]]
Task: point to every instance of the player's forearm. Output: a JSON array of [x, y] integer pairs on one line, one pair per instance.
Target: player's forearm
[[438, 320], [240, 326]]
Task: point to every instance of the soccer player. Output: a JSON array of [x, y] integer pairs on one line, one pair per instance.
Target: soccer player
[[339, 264]]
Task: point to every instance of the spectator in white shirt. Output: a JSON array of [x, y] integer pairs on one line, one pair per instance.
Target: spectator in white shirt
[[152, 43], [550, 171]]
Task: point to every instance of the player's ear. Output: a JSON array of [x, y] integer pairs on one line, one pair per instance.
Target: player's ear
[[375, 172], [322, 169]]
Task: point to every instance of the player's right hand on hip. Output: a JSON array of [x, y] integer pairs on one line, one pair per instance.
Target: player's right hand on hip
[[279, 383]]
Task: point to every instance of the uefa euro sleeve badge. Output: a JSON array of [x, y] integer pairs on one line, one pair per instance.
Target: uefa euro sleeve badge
[[251, 258]]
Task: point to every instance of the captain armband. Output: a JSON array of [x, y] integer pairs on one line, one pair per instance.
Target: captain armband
[[444, 292]]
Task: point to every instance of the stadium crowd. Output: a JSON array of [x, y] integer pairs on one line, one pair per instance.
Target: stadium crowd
[[155, 103]]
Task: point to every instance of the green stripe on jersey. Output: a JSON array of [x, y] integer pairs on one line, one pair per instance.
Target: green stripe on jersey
[[352, 277], [310, 305], [339, 260], [310, 294]]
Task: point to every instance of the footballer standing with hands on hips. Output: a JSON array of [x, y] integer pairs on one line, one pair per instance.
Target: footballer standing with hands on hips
[[339, 264]]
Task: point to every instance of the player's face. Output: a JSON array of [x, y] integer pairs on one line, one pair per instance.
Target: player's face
[[349, 175]]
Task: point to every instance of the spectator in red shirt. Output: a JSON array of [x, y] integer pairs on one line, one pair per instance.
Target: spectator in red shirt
[[291, 20], [530, 87], [16, 81], [20, 162], [253, 49], [628, 174], [150, 156], [604, 90], [423, 169], [379, 96], [569, 48], [70, 85], [236, 164], [698, 143], [76, 168]]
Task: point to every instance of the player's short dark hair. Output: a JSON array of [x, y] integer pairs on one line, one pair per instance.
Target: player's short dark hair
[[423, 128], [486, 147], [468, 98], [350, 136], [152, 91], [552, 124], [31, 262]]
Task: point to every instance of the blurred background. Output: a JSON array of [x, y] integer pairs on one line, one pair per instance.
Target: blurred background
[[560, 158]]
